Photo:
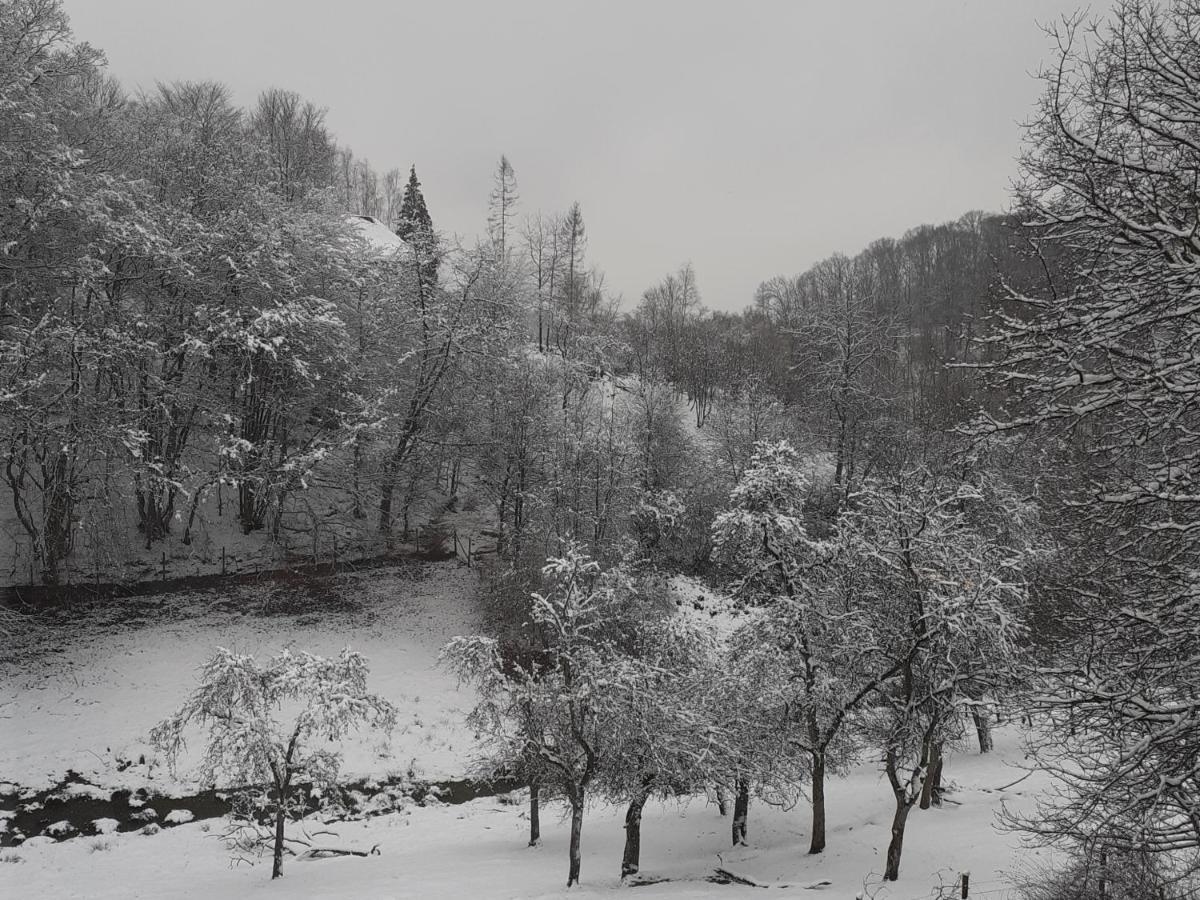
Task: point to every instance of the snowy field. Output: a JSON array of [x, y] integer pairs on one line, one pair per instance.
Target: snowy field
[[87, 703]]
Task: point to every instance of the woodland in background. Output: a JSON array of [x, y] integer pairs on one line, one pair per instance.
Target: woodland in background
[[192, 332], [949, 476]]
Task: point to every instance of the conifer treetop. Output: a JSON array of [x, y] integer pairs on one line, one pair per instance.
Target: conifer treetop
[[414, 215]]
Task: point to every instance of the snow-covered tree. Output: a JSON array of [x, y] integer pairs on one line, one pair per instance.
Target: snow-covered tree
[[558, 713], [841, 354], [562, 704], [807, 649], [414, 224], [662, 740], [1104, 357], [63, 224], [945, 595], [421, 334], [261, 722]]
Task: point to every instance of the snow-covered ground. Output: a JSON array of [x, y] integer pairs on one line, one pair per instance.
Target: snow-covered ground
[[87, 701], [478, 850]]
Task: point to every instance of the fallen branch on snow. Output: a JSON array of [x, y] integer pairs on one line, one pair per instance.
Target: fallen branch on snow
[[734, 878], [330, 852], [1014, 783]]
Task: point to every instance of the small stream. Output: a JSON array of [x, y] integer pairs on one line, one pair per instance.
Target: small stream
[[70, 809]]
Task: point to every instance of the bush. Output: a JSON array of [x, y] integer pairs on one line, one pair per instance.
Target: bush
[[1125, 876], [238, 704]]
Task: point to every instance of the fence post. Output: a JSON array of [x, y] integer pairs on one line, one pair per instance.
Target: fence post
[[1103, 875], [966, 884], [222, 560], [164, 565]]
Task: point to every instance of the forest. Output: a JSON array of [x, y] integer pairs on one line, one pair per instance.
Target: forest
[[938, 490]]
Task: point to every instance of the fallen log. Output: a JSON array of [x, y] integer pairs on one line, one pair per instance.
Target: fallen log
[[330, 852]]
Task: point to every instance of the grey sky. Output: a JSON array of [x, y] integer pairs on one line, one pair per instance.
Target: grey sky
[[752, 138]]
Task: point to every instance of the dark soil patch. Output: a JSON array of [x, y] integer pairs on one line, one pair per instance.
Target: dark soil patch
[[41, 597]]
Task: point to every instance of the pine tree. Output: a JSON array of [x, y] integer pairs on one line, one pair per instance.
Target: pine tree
[[414, 216], [416, 227]]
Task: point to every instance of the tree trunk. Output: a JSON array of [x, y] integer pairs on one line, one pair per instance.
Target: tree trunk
[[931, 790], [983, 728], [59, 509], [722, 806], [741, 810], [935, 777], [892, 872], [280, 815], [535, 820], [358, 511], [386, 492], [632, 859], [576, 829], [817, 844]]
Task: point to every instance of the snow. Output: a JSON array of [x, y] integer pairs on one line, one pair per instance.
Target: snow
[[87, 701], [377, 235], [178, 817], [478, 850]]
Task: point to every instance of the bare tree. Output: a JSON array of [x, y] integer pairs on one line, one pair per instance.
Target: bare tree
[[236, 705], [839, 354], [298, 144], [1106, 359], [501, 205]]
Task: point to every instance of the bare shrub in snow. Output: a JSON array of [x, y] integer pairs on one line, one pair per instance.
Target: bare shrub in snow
[[261, 722], [1112, 874]]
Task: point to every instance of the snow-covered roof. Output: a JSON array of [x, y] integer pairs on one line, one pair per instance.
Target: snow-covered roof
[[377, 235]]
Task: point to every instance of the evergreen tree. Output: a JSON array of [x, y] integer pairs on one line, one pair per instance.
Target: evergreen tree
[[416, 227], [414, 216]]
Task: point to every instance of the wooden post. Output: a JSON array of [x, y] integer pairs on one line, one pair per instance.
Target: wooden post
[[966, 884], [1103, 875], [164, 565], [222, 560], [335, 554]]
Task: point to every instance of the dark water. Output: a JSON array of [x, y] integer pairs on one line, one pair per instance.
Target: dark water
[[32, 815]]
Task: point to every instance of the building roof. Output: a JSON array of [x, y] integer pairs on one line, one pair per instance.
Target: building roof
[[376, 235]]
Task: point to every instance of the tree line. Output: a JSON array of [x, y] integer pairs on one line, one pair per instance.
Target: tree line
[[952, 472]]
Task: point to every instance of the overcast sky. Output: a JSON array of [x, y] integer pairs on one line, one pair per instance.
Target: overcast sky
[[750, 138]]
